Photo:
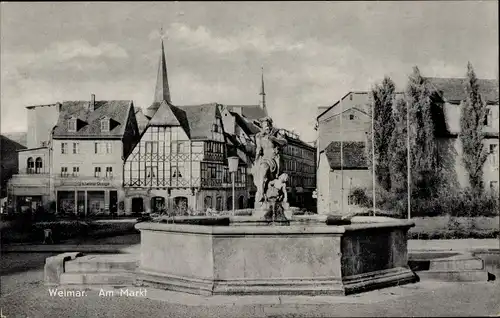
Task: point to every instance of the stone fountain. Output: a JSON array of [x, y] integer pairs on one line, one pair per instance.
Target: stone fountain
[[268, 253], [308, 255]]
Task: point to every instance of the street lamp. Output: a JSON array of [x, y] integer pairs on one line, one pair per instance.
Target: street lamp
[[233, 167]]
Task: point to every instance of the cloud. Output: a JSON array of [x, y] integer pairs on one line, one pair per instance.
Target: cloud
[[252, 38], [76, 54]]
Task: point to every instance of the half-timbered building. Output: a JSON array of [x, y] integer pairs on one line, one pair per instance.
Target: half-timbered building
[[180, 161]]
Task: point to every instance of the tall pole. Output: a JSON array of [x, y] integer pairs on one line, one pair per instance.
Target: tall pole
[[408, 167], [373, 156], [341, 157], [232, 177]]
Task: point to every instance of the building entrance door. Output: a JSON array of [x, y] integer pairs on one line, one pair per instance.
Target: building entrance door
[[137, 205], [113, 202]]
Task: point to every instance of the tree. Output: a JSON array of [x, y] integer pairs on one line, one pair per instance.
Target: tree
[[398, 149], [382, 97], [424, 166], [473, 114]]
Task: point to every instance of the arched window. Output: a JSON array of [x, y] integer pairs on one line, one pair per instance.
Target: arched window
[[137, 205], [30, 165], [181, 205], [208, 202], [229, 203], [38, 165], [157, 204], [218, 204], [241, 202]]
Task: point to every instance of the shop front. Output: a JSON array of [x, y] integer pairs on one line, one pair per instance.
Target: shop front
[[28, 192], [88, 198]]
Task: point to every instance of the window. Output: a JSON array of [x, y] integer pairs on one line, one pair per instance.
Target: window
[[350, 97], [151, 147], [215, 128], [109, 172], [64, 147], [38, 165], [493, 154], [352, 200], [208, 202], [212, 172], [72, 125], [103, 147], [351, 117], [76, 170], [76, 148], [177, 147], [175, 172], [488, 118], [64, 172], [218, 204], [105, 124], [97, 172], [151, 172], [30, 165]]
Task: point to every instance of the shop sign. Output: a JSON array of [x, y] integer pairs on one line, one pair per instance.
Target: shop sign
[[86, 183]]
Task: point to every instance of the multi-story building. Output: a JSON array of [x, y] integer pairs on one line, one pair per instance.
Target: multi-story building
[[89, 142], [181, 158], [299, 162], [31, 186], [347, 122]]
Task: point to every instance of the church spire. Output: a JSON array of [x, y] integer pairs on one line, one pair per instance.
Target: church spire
[[162, 91], [262, 92]]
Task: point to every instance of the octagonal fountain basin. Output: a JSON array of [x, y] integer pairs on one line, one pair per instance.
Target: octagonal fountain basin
[[303, 256]]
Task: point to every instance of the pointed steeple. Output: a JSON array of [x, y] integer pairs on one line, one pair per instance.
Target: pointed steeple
[[162, 91], [262, 94]]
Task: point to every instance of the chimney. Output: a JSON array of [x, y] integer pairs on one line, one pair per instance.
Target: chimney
[[92, 102]]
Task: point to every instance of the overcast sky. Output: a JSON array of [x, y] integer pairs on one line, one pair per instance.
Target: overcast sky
[[312, 53]]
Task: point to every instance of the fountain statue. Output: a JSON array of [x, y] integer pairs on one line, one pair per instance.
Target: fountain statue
[[271, 196]]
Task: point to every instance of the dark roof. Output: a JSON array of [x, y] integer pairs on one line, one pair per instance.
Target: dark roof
[[353, 152], [18, 137], [89, 125], [453, 89], [299, 142], [9, 161], [197, 119], [252, 112], [46, 105]]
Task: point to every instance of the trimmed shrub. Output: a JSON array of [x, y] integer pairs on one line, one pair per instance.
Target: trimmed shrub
[[462, 203]]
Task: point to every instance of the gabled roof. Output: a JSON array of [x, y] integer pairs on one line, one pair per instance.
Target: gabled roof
[[353, 152], [452, 90], [252, 112], [90, 125], [198, 119], [164, 116]]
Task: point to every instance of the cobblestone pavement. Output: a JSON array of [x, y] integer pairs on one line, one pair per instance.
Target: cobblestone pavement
[[24, 295]]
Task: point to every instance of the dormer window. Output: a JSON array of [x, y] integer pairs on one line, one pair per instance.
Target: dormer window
[[72, 124], [105, 124]]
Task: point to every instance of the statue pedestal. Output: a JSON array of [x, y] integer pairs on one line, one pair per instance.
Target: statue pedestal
[[270, 211]]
